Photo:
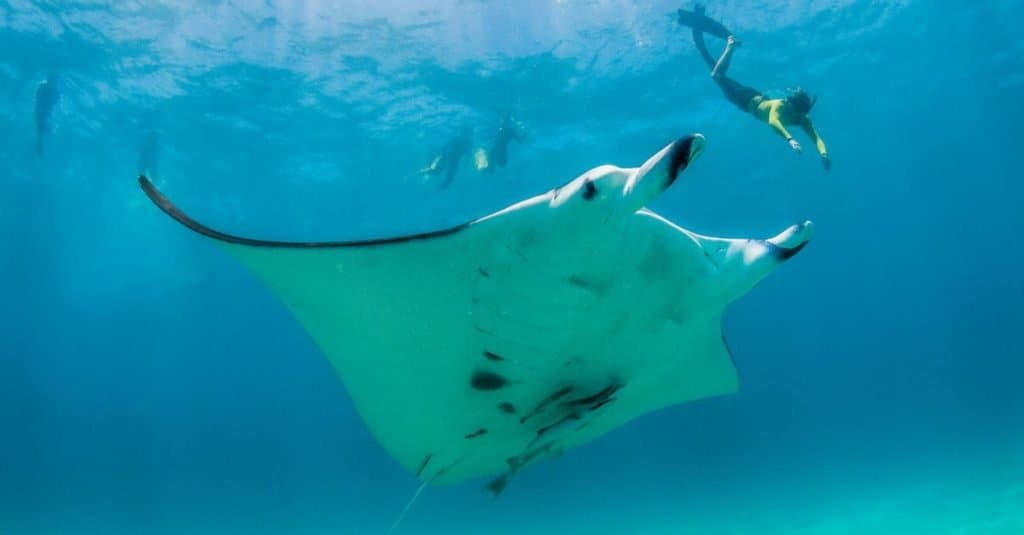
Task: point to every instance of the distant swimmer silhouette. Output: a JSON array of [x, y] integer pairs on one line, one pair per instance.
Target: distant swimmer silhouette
[[448, 158], [776, 112], [47, 95], [508, 130]]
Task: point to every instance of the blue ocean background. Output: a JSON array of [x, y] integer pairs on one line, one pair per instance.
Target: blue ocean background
[[150, 384]]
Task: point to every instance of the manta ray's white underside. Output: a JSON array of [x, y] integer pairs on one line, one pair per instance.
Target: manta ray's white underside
[[477, 350]]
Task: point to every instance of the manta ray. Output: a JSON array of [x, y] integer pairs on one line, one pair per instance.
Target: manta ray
[[483, 348]]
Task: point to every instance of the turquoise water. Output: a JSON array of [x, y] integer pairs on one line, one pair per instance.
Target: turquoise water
[[149, 384]]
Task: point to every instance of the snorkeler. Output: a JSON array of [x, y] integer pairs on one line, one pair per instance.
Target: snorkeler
[[508, 130], [47, 95], [447, 161], [777, 112]]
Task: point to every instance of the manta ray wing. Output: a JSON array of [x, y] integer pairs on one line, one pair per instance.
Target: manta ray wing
[[393, 318]]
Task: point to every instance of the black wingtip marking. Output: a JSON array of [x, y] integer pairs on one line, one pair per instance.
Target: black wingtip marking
[[679, 158], [783, 253], [493, 356], [165, 204], [482, 380]]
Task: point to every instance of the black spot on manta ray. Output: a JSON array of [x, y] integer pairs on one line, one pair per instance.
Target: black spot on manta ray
[[589, 190], [507, 407], [477, 433], [482, 380]]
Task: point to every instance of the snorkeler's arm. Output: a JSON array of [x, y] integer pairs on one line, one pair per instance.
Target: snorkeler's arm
[[434, 164], [808, 127], [776, 123]]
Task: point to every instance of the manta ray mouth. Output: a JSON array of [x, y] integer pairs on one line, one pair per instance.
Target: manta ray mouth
[[684, 151]]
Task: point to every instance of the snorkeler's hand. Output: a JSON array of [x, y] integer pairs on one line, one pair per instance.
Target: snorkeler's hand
[[826, 162], [795, 145]]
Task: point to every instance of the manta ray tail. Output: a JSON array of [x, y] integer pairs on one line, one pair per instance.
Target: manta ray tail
[[419, 490], [408, 506]]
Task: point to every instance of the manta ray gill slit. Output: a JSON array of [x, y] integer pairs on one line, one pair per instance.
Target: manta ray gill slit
[[558, 394], [493, 356], [561, 415], [598, 399], [478, 433]]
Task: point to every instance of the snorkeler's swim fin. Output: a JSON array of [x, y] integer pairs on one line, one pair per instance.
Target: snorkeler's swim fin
[[701, 23]]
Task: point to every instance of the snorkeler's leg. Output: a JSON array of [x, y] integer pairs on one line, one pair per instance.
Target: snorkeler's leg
[[42, 129], [722, 66], [702, 48], [481, 160], [434, 164], [449, 176]]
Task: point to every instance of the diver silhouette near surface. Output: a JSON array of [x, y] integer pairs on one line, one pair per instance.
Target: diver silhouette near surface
[[485, 160], [47, 95], [775, 112]]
